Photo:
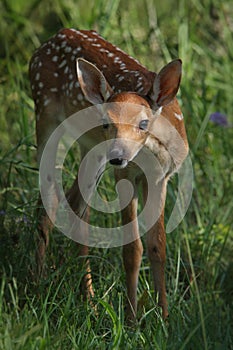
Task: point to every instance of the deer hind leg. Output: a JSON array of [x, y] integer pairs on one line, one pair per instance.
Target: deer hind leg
[[44, 227], [86, 286], [48, 188], [74, 198], [90, 170], [132, 251]]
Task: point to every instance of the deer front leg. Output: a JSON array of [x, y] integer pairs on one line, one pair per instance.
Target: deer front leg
[[132, 256], [156, 238], [132, 251], [156, 248]]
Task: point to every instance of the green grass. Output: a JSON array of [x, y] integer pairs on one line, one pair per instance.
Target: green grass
[[52, 315]]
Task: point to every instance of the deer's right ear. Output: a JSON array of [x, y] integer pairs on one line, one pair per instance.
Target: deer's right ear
[[166, 84], [92, 82]]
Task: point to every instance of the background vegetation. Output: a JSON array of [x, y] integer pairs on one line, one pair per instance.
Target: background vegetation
[[199, 264]]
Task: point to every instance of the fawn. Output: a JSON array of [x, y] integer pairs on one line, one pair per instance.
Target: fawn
[[78, 68]]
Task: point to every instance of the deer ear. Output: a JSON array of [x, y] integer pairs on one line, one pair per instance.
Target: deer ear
[[166, 83], [92, 82]]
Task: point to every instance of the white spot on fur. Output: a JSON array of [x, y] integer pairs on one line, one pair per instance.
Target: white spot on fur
[[141, 90], [117, 59], [63, 44], [61, 36], [179, 116], [138, 85], [83, 35], [46, 102], [159, 111], [104, 50], [77, 50], [62, 64], [68, 49]]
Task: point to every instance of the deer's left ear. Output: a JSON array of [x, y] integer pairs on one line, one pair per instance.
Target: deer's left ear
[[92, 82], [166, 83]]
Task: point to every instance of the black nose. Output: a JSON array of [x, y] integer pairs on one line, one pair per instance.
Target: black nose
[[115, 157], [116, 161]]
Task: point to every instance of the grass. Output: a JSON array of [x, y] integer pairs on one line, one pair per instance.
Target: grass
[[52, 315]]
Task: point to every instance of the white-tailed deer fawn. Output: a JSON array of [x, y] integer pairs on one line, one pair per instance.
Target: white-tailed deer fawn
[[76, 69]]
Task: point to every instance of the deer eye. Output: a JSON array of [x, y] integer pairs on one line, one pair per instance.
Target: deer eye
[[143, 124]]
